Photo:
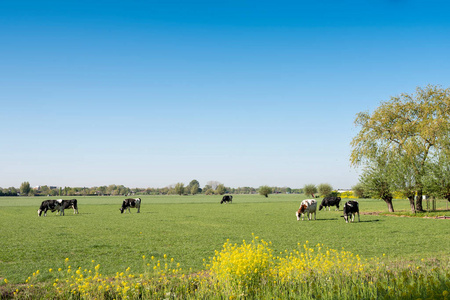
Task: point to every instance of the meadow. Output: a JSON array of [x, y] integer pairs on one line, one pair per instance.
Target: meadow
[[191, 229]]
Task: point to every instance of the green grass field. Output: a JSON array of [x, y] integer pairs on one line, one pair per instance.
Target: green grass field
[[190, 228]]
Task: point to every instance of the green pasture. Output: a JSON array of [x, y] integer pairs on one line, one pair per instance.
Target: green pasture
[[190, 228]]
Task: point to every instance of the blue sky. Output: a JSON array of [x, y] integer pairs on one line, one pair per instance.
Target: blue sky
[[247, 93]]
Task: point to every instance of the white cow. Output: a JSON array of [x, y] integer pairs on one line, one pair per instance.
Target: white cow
[[308, 206]]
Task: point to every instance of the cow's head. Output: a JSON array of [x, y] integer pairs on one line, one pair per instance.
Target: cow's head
[[121, 210], [320, 207], [39, 212], [346, 217]]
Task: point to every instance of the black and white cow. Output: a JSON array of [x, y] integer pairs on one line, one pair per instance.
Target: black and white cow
[[131, 203], [330, 201], [65, 204], [57, 205], [227, 199], [351, 208], [47, 205]]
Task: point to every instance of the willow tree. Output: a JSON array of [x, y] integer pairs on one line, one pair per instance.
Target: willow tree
[[377, 181], [437, 180], [409, 130]]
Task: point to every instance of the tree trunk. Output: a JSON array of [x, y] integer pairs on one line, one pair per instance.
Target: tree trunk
[[411, 203], [388, 201], [419, 201]]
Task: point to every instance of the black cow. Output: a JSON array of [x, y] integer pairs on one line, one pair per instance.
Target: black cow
[[47, 205], [330, 201], [131, 203], [227, 199], [64, 204], [350, 209]]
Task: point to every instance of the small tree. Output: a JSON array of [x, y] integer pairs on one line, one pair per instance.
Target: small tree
[[25, 188], [194, 189], [377, 182], [220, 189], [358, 190], [324, 189], [179, 188], [310, 189], [265, 190]]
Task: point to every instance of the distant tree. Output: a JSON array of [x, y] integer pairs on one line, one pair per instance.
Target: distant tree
[[44, 190], [194, 189], [220, 189], [310, 189], [213, 184], [25, 188], [194, 182], [208, 191], [288, 190], [358, 190], [265, 190], [207, 188], [179, 188], [324, 189]]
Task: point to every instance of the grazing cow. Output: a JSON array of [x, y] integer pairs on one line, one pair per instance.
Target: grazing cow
[[64, 204], [351, 208], [308, 206], [131, 203], [47, 205], [330, 201], [227, 199]]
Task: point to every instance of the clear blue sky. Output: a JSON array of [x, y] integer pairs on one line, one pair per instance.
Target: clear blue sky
[[247, 93]]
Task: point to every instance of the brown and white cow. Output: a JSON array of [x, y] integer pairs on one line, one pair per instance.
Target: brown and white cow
[[308, 206], [131, 203]]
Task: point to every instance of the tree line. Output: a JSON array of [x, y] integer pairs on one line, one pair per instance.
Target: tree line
[[193, 188]]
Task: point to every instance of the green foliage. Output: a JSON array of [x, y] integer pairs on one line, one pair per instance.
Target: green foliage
[[310, 189], [324, 189], [377, 182], [220, 190], [25, 188], [407, 131], [194, 189], [179, 188], [265, 190], [437, 180], [358, 191]]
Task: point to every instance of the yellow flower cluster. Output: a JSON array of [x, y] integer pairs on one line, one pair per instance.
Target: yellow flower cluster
[[319, 261], [240, 266]]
